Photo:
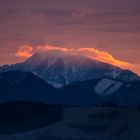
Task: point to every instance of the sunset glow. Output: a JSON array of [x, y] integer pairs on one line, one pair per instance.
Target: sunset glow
[[105, 30], [27, 51], [70, 69]]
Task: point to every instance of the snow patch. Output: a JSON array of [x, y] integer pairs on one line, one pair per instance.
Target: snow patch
[[114, 88], [103, 85]]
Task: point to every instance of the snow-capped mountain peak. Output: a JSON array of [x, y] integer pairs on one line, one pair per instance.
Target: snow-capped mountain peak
[[61, 68]]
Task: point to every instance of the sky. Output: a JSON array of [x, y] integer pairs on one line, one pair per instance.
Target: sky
[[106, 30]]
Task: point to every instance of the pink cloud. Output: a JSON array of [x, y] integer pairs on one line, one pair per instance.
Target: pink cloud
[[27, 51]]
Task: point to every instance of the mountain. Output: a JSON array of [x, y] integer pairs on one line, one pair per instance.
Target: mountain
[[17, 85], [60, 69], [127, 94], [78, 94], [105, 91], [80, 81], [25, 86]]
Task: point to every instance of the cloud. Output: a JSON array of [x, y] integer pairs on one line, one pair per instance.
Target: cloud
[[83, 12], [43, 48], [103, 56], [88, 52], [25, 51]]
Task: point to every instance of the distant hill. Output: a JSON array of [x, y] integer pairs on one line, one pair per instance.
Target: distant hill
[[103, 91], [17, 85]]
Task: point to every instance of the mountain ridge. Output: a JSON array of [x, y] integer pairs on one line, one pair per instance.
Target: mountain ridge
[[60, 69], [18, 85], [25, 86]]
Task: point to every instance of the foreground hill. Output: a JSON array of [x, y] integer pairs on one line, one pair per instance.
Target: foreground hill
[[21, 116], [89, 124]]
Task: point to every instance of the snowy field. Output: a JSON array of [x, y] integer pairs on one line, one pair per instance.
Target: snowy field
[[88, 124]]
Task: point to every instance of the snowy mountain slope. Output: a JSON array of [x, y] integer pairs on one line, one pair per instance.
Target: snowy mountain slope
[[104, 91], [107, 86], [60, 69], [17, 85], [21, 86], [100, 86], [127, 94]]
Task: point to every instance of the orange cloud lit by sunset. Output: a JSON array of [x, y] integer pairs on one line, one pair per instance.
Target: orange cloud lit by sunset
[[27, 51], [103, 56]]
